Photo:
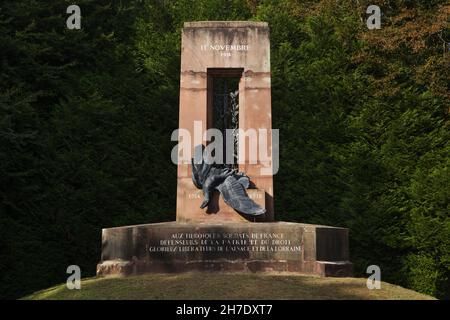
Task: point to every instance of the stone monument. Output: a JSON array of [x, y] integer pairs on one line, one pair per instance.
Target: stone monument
[[225, 85]]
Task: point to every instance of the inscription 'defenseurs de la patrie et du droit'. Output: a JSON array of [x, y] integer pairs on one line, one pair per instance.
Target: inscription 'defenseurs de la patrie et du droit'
[[226, 242]]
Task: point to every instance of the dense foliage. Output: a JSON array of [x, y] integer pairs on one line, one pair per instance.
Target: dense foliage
[[86, 117]]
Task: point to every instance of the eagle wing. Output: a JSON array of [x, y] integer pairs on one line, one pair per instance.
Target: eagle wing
[[234, 195]]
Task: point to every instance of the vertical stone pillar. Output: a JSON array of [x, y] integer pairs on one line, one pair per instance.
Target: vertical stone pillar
[[225, 45]]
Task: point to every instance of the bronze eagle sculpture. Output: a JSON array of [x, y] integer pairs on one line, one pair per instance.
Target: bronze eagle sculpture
[[229, 182]]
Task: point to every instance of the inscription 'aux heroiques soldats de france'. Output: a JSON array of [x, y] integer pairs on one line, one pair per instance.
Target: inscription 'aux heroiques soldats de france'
[[226, 242]]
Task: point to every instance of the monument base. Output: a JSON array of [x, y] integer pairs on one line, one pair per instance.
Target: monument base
[[239, 247]]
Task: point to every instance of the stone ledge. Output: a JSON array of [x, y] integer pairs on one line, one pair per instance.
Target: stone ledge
[[136, 267], [334, 268], [226, 24]]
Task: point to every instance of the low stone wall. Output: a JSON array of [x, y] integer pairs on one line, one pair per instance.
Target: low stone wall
[[246, 247]]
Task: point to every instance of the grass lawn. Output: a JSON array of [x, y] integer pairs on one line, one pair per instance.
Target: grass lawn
[[226, 286]]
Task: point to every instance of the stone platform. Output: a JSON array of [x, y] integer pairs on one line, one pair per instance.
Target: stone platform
[[241, 247]]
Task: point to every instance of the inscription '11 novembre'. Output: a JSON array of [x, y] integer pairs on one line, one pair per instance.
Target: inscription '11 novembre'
[[225, 47]]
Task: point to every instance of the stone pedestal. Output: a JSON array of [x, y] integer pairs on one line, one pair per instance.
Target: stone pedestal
[[180, 247]]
